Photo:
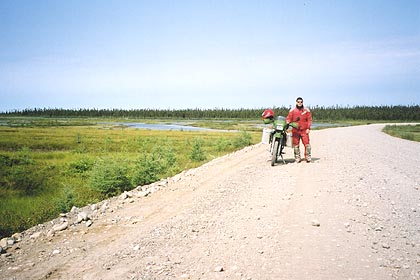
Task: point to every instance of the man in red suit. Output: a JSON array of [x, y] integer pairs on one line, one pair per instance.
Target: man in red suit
[[303, 117]]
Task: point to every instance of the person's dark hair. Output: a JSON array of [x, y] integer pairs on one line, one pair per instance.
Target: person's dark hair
[[299, 98]]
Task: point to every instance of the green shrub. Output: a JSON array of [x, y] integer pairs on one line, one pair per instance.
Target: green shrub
[[243, 140], [22, 175], [67, 200], [168, 158], [24, 156], [147, 170], [81, 166], [109, 177], [81, 149], [150, 168], [7, 161], [28, 179], [197, 151], [222, 144]]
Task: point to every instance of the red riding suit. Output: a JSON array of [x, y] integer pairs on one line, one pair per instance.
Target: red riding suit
[[303, 117]]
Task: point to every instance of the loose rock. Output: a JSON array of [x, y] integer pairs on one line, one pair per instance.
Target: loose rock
[[315, 223]]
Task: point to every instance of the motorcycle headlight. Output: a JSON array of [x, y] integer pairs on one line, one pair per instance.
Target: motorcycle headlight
[[279, 127]]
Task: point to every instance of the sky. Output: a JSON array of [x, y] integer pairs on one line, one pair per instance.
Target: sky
[[167, 54]]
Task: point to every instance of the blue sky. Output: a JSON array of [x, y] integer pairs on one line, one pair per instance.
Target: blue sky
[[208, 53]]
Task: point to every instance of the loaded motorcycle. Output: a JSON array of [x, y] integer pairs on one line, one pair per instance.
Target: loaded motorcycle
[[278, 135]]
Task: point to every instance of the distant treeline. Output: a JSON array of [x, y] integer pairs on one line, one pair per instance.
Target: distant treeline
[[320, 113]]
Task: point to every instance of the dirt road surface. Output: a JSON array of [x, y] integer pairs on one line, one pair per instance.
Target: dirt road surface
[[354, 213]]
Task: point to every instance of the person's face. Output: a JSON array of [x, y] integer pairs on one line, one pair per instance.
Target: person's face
[[299, 103]]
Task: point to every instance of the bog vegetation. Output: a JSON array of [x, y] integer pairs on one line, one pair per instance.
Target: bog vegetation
[[408, 132], [54, 159], [47, 168]]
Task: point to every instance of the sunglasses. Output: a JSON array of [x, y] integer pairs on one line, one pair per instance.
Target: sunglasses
[[299, 101]]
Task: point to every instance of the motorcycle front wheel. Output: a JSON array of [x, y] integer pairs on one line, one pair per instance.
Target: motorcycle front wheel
[[274, 152]]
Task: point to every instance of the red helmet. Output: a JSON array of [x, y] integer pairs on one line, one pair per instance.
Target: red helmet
[[268, 114]]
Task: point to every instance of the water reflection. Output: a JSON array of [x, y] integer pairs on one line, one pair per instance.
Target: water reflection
[[159, 126]]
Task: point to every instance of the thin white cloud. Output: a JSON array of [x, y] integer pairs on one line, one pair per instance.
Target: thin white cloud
[[316, 68]]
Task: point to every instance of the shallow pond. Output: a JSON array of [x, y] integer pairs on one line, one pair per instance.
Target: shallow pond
[[185, 127], [159, 126]]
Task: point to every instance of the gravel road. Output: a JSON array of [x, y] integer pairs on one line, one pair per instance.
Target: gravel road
[[353, 213]]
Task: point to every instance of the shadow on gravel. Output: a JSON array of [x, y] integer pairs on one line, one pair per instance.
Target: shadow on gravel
[[292, 160]]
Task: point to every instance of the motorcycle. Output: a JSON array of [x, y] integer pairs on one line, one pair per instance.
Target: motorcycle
[[278, 138]]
